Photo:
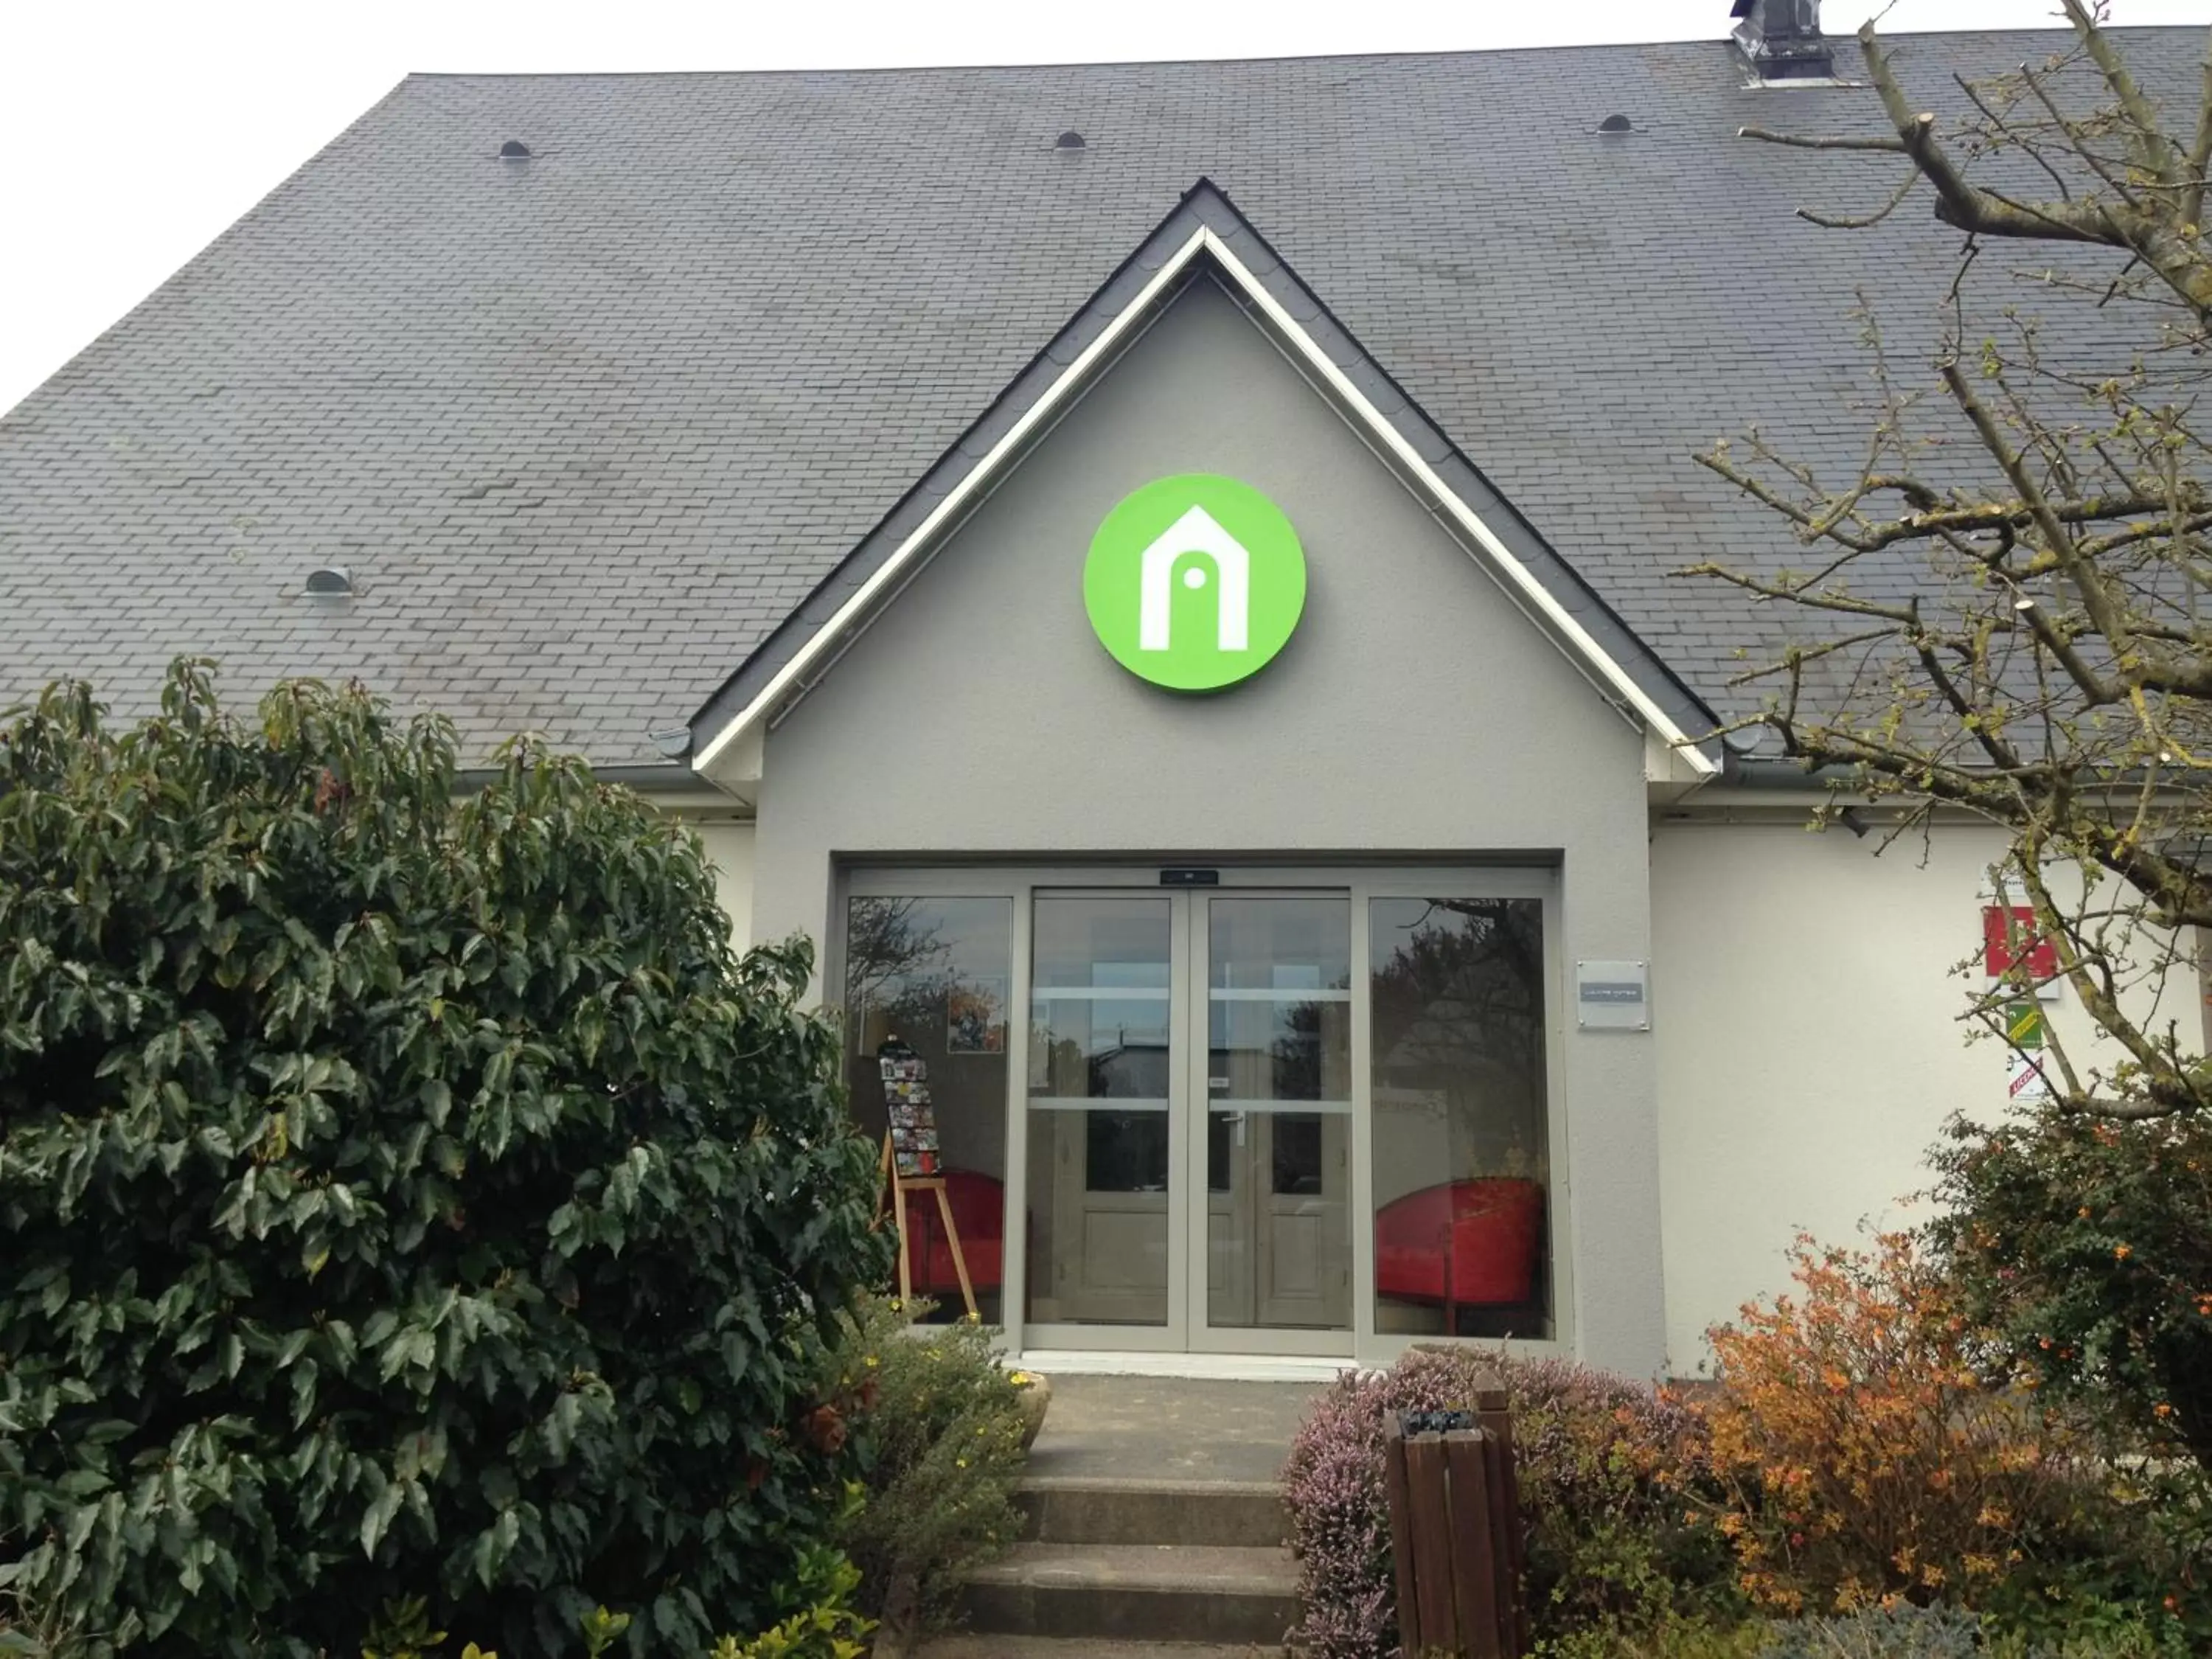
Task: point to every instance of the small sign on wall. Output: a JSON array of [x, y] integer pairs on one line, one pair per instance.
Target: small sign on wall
[[2025, 1078], [2008, 935], [1613, 996]]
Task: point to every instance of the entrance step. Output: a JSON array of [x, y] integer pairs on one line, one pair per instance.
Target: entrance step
[[1148, 1592], [1077, 1647], [1095, 1509]]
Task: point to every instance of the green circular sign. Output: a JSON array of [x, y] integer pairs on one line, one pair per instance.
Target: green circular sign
[[1195, 582]]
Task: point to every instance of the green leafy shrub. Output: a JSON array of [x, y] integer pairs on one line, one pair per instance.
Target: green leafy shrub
[[1610, 1472], [940, 1434], [2085, 1247], [400, 1191], [826, 1626], [31, 1629], [402, 1630]]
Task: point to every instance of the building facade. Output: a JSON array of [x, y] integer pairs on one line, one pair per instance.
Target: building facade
[[1162, 572]]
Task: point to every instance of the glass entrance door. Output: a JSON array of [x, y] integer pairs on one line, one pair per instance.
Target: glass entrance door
[[1309, 1110], [1106, 1092], [1274, 972], [1188, 1121]]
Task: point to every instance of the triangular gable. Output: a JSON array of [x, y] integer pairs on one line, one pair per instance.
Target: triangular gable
[[1206, 226]]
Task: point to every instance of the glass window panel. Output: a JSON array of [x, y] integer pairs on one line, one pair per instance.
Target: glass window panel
[[1099, 1025], [936, 974], [1461, 1148], [1298, 1150], [1279, 1002], [1278, 1020]]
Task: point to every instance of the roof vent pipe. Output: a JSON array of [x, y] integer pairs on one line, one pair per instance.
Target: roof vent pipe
[[1781, 40]]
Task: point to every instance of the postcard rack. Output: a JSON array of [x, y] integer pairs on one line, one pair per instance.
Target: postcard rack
[[912, 1162]]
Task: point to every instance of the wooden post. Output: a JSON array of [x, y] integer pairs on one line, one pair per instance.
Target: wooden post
[[1410, 1636], [1493, 1411], [1474, 1556], [1433, 1545], [1455, 1538]]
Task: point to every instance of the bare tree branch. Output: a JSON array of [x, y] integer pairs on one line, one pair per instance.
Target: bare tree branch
[[2005, 618]]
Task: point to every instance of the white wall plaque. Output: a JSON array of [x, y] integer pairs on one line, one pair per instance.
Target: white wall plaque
[[1613, 996]]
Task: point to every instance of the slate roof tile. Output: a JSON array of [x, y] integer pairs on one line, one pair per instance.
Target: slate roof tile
[[586, 429]]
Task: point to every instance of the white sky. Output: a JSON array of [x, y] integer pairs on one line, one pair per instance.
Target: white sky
[[131, 134]]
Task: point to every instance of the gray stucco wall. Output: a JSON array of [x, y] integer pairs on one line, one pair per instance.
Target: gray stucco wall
[[1415, 712]]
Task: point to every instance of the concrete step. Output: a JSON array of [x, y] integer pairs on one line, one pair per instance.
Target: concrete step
[[1137, 1592], [1077, 1647], [1095, 1509]]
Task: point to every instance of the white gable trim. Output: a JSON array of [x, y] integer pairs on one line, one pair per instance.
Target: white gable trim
[[1523, 580], [956, 500], [827, 641]]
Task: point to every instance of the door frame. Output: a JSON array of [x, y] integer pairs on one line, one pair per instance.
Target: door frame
[[1199, 1337], [1169, 1336], [1019, 879]]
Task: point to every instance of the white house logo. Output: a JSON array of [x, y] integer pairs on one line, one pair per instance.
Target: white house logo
[[1196, 531], [1195, 581]]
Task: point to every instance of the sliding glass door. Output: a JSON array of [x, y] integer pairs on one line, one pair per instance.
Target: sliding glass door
[[1103, 1100], [1282, 1112], [1189, 1116], [1277, 1121]]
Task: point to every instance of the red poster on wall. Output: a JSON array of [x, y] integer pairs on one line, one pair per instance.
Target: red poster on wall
[[2002, 929]]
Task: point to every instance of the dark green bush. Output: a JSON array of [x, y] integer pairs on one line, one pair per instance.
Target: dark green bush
[[400, 1194], [940, 1438], [2085, 1247]]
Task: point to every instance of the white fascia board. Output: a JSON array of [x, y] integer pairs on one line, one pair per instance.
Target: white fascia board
[[957, 499], [1570, 633], [1524, 580]]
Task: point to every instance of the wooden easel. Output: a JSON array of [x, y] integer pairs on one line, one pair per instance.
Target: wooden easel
[[900, 1187], [912, 1087]]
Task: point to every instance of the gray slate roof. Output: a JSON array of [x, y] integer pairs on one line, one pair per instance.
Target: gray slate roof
[[586, 429], [1203, 207]]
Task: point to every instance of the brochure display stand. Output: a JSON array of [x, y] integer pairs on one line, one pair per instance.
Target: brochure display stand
[[911, 1162]]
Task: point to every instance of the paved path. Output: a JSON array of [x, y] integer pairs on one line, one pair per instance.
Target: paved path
[[1169, 1429], [1111, 1446]]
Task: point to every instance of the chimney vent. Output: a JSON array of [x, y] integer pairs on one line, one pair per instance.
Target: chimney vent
[[1781, 40]]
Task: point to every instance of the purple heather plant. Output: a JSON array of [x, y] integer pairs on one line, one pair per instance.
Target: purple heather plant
[[1609, 1470]]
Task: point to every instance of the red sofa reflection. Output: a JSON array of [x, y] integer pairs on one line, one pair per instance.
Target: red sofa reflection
[[979, 1211], [1462, 1244]]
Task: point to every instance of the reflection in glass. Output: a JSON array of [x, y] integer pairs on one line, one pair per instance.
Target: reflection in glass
[[1463, 1155], [1279, 1104], [1099, 1023], [934, 973]]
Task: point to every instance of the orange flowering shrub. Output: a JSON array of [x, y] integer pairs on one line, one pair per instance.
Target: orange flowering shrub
[[1864, 1458]]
